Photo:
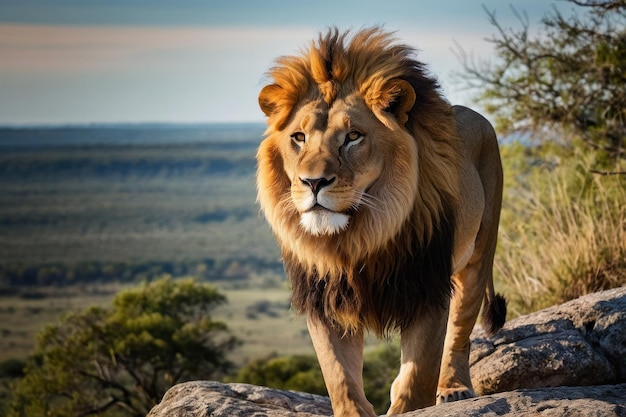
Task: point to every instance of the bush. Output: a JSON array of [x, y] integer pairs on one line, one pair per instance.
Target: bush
[[119, 361], [299, 373], [302, 373]]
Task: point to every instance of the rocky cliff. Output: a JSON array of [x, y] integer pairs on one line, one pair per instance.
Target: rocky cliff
[[568, 360]]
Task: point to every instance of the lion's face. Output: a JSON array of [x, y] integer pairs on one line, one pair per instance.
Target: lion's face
[[334, 158]]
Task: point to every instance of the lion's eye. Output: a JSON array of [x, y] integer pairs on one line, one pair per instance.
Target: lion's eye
[[298, 137], [353, 136]]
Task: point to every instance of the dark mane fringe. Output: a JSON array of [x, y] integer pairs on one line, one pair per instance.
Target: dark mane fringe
[[389, 292]]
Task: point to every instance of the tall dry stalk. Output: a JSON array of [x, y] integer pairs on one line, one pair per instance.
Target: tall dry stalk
[[564, 236]]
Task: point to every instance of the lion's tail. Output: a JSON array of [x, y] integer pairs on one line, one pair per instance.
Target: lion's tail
[[494, 311]]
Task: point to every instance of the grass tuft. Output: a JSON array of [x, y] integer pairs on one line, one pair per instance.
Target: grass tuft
[[563, 234]]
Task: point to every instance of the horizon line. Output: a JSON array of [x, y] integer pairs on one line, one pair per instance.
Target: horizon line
[[57, 125]]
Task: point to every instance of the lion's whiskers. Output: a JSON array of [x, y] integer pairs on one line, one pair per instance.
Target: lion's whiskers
[[369, 201], [285, 199]]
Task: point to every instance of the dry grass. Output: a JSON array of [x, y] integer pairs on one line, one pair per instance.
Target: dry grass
[[22, 317], [563, 235]]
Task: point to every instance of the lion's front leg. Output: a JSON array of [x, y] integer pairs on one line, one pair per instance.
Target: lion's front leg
[[341, 359], [421, 345]]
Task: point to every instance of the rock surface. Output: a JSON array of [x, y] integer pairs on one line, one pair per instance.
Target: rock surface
[[207, 398], [580, 344]]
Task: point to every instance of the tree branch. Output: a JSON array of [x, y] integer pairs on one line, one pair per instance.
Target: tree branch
[[607, 173]]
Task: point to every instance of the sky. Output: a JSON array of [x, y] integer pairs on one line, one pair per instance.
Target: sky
[[193, 61]]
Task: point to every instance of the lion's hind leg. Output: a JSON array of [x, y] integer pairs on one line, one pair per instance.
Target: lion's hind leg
[[454, 379], [473, 284]]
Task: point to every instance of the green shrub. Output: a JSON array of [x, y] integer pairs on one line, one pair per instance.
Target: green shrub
[[298, 372], [302, 373], [120, 360]]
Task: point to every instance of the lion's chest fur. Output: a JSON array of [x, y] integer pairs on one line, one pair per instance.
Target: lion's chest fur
[[385, 292]]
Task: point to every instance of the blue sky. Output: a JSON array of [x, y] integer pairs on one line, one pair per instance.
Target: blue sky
[[87, 61]]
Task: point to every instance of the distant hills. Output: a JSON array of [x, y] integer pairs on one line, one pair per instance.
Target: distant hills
[[128, 134]]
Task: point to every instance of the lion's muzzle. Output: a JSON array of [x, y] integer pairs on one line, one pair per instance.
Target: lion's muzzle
[[318, 217], [316, 184]]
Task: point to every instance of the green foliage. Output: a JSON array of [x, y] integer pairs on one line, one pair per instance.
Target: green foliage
[[568, 76], [299, 373], [302, 373], [119, 361], [380, 368], [562, 230]]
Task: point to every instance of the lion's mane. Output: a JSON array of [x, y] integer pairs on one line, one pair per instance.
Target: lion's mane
[[364, 277]]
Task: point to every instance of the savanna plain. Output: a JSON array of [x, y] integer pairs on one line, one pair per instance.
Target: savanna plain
[[88, 211]]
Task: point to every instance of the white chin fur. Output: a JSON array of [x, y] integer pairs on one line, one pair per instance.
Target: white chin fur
[[324, 222]]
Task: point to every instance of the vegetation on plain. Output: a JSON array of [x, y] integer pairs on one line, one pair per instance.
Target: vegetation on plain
[[561, 86]]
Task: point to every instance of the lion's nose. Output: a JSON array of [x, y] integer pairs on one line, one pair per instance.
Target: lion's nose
[[316, 184]]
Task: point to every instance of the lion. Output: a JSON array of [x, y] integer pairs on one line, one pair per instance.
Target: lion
[[385, 202]]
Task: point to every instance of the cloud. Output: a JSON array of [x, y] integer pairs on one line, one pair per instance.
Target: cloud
[[41, 48], [48, 48], [166, 73], [110, 73]]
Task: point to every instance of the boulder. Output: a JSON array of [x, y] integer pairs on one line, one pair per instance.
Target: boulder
[[567, 360], [581, 342], [215, 399]]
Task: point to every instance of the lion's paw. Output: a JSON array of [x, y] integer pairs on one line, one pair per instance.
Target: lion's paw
[[447, 395]]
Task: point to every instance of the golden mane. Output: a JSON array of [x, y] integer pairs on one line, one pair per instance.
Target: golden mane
[[359, 278]]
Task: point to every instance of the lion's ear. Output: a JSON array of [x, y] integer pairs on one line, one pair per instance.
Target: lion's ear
[[397, 97], [269, 97], [274, 103]]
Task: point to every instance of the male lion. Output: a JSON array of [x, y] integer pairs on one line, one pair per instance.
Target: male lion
[[385, 200]]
